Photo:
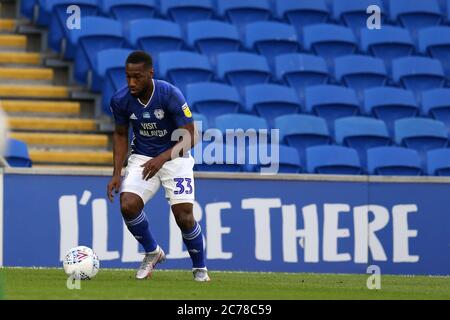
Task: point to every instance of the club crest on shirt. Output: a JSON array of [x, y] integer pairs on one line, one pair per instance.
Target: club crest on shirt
[[146, 115], [187, 111], [159, 114]]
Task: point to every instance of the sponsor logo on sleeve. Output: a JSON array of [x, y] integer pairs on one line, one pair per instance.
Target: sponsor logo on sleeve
[[187, 112]]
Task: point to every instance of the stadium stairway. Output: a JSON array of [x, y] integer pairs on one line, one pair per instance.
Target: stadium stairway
[[41, 112]]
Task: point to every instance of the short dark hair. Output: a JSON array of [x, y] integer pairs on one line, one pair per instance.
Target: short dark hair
[[140, 57]]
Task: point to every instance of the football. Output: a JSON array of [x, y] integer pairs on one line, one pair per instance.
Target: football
[[81, 262]]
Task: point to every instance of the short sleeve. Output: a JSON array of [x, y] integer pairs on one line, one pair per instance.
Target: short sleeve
[[120, 117], [179, 108]]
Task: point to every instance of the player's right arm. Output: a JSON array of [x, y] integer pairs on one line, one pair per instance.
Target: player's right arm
[[120, 151], [120, 148]]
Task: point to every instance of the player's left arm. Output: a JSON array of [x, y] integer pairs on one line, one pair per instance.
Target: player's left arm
[[186, 135]]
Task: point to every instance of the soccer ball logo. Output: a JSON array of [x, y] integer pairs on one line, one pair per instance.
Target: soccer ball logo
[[81, 263], [159, 114]]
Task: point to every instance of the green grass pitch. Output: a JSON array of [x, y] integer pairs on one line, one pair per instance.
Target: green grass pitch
[[29, 283]]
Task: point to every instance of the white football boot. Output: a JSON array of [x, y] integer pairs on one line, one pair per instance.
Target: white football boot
[[200, 274], [149, 263]]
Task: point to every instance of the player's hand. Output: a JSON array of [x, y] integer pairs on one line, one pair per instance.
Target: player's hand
[[152, 166], [114, 184]]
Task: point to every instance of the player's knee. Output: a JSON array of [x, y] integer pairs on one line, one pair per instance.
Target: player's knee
[[185, 220], [129, 207]]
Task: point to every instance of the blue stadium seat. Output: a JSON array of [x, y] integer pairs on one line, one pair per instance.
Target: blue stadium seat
[[244, 122], [213, 37], [27, 8], [288, 159], [109, 63], [436, 103], [16, 153], [387, 43], [270, 101], [183, 67], [240, 121], [301, 70], [421, 134], [418, 73], [97, 34], [129, 10], [435, 41], [329, 41], [354, 13], [331, 102], [360, 72], [271, 39], [415, 14], [155, 36], [393, 161], [217, 157], [302, 13], [390, 104], [241, 69], [333, 160], [204, 124], [213, 99], [438, 162], [361, 134], [108, 74], [185, 11], [57, 18], [240, 12], [302, 131]]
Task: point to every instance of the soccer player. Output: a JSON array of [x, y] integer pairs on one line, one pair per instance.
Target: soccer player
[[155, 109]]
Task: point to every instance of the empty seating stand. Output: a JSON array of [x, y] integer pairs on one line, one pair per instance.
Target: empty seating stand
[[310, 68]]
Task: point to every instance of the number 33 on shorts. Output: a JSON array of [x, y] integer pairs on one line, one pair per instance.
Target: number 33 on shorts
[[183, 186]]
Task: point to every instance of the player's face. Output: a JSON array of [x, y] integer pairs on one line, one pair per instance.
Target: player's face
[[138, 78]]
